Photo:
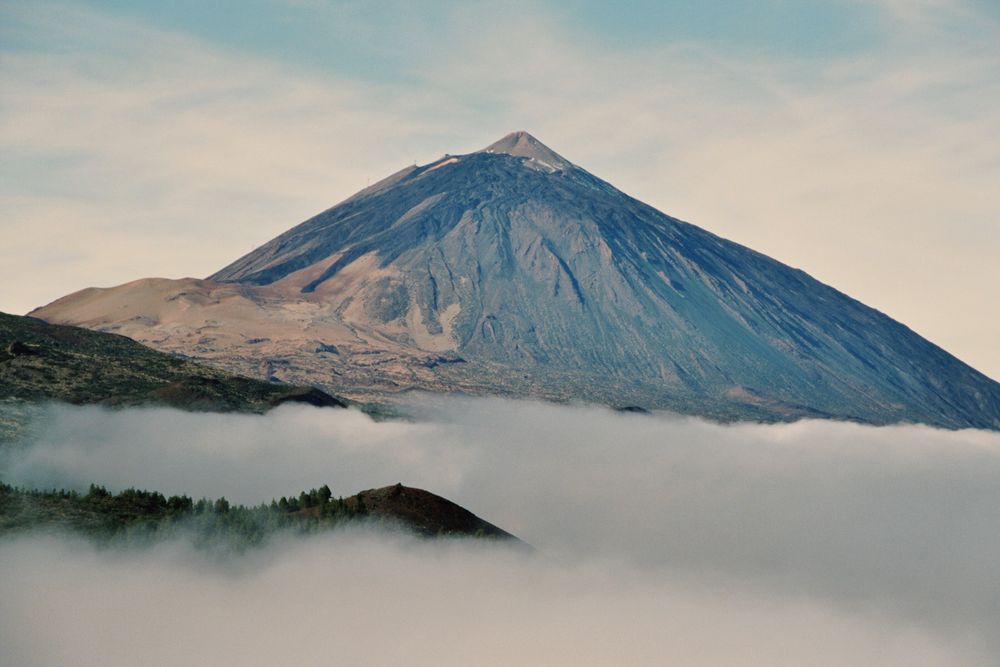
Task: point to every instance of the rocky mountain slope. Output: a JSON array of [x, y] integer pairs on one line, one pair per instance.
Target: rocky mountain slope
[[510, 270], [46, 362]]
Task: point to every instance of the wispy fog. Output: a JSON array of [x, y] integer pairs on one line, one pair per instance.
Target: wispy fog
[[661, 540]]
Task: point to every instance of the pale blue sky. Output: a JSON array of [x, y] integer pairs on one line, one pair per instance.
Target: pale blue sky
[[856, 139], [376, 39], [373, 38]]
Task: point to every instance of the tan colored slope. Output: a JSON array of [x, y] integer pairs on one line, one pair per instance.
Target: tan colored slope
[[327, 338]]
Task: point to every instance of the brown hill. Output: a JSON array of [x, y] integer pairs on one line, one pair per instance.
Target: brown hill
[[423, 512]]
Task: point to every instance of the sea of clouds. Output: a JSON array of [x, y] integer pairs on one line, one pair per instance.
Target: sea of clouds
[[659, 540]]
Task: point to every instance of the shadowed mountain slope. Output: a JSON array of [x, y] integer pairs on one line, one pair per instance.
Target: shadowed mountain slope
[[512, 271]]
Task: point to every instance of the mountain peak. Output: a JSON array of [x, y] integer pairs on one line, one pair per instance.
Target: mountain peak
[[511, 271], [522, 144]]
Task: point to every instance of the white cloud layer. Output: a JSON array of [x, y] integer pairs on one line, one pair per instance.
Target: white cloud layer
[[134, 151], [814, 542], [375, 601]]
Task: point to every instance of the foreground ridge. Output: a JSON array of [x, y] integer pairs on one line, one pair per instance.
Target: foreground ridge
[[139, 516]]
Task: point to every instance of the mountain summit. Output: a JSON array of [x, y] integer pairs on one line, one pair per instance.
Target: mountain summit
[[522, 144], [512, 271]]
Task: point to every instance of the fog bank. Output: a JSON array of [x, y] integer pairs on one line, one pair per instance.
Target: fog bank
[[366, 600], [880, 541]]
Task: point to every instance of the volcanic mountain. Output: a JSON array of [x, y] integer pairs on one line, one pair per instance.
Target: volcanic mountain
[[510, 270]]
